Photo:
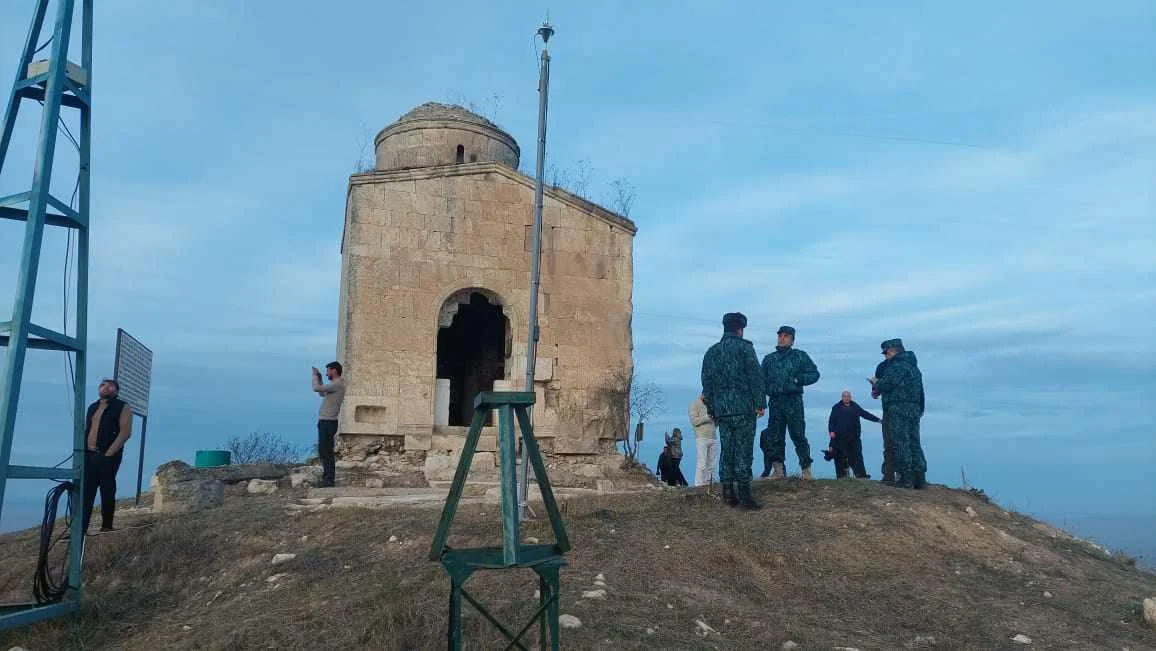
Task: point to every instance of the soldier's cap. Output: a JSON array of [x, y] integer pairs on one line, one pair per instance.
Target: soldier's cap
[[891, 343], [786, 330], [732, 321]]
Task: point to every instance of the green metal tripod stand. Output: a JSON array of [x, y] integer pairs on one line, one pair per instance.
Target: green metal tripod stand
[[545, 560]]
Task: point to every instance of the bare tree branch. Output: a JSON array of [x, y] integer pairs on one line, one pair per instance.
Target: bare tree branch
[[575, 178], [582, 173], [559, 178], [494, 101], [264, 447], [365, 152], [632, 402], [622, 196], [489, 108]]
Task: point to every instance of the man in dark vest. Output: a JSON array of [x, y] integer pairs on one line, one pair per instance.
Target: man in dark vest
[[107, 428]]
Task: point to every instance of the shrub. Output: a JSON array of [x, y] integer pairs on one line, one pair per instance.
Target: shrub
[[265, 447]]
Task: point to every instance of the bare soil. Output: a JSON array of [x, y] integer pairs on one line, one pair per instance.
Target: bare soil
[[825, 564]]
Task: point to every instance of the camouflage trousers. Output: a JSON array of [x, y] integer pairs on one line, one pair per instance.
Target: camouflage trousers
[[888, 451], [786, 414], [903, 426], [737, 439]]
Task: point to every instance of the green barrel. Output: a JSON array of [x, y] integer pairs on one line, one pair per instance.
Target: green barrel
[[211, 458]]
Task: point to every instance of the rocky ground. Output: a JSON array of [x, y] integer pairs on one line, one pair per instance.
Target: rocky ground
[[825, 565]]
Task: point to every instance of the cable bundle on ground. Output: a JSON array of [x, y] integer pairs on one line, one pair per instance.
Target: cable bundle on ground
[[49, 586]]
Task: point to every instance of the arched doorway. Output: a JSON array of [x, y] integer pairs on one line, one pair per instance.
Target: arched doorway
[[472, 349]]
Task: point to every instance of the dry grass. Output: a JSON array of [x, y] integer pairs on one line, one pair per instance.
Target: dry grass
[[825, 564]]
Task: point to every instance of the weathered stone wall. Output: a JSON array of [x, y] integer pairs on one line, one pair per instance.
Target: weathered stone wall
[[432, 143], [414, 238]]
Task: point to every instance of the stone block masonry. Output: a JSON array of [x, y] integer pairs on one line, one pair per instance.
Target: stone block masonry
[[435, 296]]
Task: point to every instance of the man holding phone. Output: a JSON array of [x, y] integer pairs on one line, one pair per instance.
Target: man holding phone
[[901, 388], [331, 396]]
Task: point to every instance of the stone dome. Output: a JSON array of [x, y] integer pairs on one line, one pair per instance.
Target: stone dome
[[441, 134]]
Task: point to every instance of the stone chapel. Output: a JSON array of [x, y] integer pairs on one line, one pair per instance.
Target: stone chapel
[[435, 279]]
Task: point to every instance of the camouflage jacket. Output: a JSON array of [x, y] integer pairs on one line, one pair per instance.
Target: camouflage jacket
[[786, 371], [901, 381], [878, 374], [731, 382]]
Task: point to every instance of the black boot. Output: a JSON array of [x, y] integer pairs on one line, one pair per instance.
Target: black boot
[[729, 495], [746, 502]]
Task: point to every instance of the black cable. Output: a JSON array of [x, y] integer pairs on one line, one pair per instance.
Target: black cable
[[67, 132], [50, 583], [37, 50]]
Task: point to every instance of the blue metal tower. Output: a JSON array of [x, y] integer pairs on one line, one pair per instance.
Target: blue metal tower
[[53, 82]]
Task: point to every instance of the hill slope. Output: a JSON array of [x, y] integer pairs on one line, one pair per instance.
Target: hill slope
[[825, 564]]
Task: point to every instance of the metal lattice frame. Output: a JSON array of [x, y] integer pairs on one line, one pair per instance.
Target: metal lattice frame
[[545, 560], [54, 83]]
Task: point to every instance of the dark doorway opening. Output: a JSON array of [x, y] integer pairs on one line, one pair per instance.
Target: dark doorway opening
[[472, 354], [460, 157]]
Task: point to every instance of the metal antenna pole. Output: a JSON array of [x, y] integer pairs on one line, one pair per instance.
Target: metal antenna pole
[[54, 83], [545, 31]]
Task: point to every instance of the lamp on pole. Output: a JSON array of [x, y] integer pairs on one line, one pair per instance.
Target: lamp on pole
[[545, 32]]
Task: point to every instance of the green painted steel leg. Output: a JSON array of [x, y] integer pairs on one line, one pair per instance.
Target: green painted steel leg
[[535, 454], [551, 573], [451, 507], [509, 473], [544, 596], [455, 632], [537, 617], [494, 620]]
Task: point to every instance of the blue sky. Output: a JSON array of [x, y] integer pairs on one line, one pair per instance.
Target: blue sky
[[978, 180]]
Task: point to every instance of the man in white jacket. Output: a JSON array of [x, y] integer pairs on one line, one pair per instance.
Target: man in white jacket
[[706, 438]]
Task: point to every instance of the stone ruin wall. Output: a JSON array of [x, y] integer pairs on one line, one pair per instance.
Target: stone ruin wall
[[434, 142], [413, 239]]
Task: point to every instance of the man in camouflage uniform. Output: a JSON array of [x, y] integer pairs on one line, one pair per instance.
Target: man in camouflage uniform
[[785, 372], [888, 448], [901, 387], [732, 389]]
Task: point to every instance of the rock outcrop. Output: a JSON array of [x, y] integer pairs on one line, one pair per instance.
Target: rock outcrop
[[180, 488]]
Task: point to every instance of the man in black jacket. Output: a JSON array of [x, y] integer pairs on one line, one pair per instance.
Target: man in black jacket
[[845, 429], [107, 428]]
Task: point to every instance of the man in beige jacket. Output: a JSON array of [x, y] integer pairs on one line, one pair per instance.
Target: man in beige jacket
[[706, 438]]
